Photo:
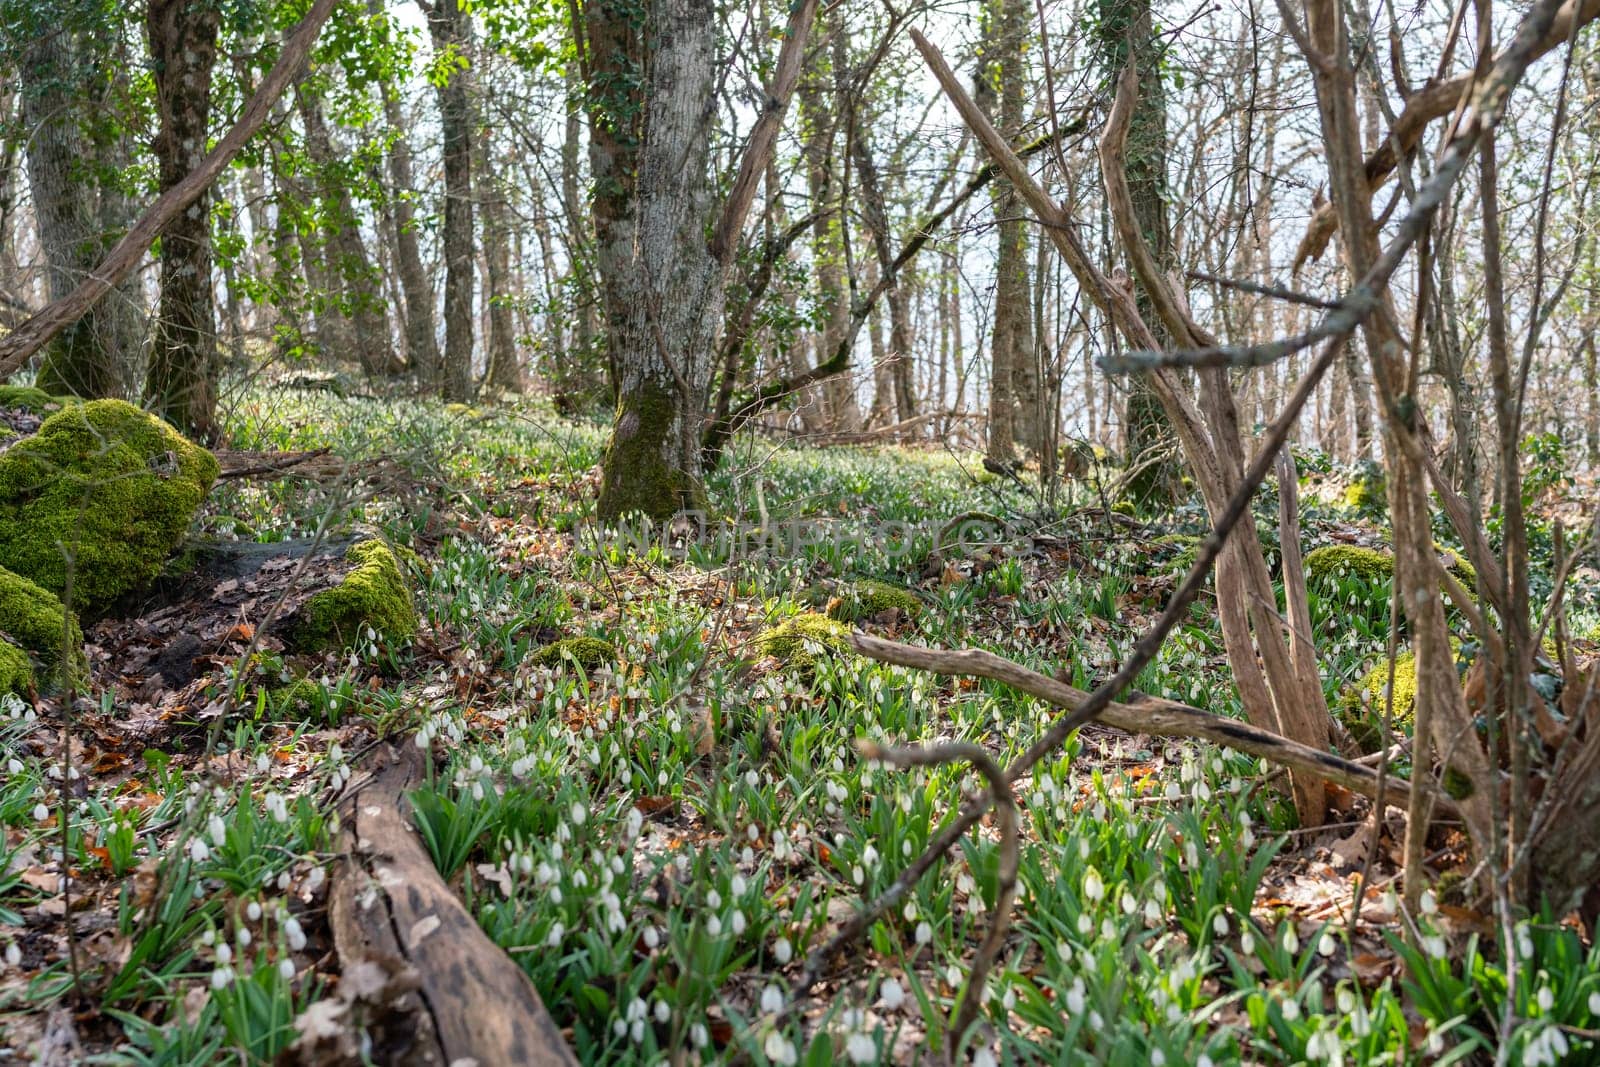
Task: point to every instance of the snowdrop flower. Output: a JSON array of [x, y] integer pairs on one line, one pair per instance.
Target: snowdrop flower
[[924, 933], [1075, 997], [1291, 1010], [1085, 925], [698, 1036], [652, 937], [663, 1012], [1247, 942], [860, 1049], [1219, 924], [244, 937], [252, 911], [1158, 1058], [14, 954], [737, 921], [1545, 999], [578, 814], [782, 951], [1430, 903], [40, 813], [984, 1058], [198, 850], [557, 932], [1093, 887], [1204, 1061], [1594, 1003], [221, 977], [1291, 939], [771, 1000], [293, 934], [1326, 944], [286, 969], [714, 926], [224, 953], [891, 995], [779, 1049]]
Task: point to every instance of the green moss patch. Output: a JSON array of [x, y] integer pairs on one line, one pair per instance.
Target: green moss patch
[[373, 596], [797, 641], [33, 621], [32, 400], [590, 653], [1361, 708], [110, 486], [1332, 562], [16, 670], [869, 598]]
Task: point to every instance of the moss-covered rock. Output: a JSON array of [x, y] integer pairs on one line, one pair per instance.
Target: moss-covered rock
[[113, 486], [16, 670], [797, 641], [372, 596], [1332, 562], [1361, 708], [33, 621], [869, 598], [590, 653], [32, 400]]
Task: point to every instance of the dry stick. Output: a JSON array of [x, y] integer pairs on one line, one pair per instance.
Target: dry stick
[[1005, 810], [20, 345]]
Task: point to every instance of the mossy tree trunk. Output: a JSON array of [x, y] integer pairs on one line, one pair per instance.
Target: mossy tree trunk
[[651, 67], [181, 380], [65, 82], [663, 289], [1126, 26]]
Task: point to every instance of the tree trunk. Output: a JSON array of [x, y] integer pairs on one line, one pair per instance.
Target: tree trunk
[[450, 29], [505, 367], [85, 359], [422, 340], [1126, 31], [664, 292], [181, 379]]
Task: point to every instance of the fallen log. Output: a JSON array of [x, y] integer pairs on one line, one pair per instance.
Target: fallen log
[[394, 917]]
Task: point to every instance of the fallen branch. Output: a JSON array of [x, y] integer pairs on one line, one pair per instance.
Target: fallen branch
[[238, 465], [1142, 714], [389, 907]]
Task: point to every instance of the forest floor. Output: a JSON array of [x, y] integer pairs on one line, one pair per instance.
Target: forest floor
[[658, 833]]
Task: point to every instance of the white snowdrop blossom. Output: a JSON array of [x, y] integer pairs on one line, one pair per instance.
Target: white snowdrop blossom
[[1093, 887], [40, 813], [782, 951], [1219, 924], [771, 1000], [198, 850], [286, 969], [1326, 945], [891, 995], [779, 1049], [860, 1049], [924, 933]]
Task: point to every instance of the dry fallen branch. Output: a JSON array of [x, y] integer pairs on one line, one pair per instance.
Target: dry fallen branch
[[390, 908], [1141, 715]]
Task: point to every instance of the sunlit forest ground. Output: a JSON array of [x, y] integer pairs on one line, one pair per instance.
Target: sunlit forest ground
[[659, 823]]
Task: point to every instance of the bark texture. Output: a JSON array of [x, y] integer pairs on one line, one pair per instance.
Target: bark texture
[[449, 26]]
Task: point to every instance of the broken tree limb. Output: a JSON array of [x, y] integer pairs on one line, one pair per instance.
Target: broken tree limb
[[22, 343], [389, 899], [1430, 102], [237, 465], [1143, 714]]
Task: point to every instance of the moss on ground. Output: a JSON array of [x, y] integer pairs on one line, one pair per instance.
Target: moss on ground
[[109, 486], [16, 670], [372, 596], [797, 641], [1331, 562], [33, 620], [590, 653], [32, 400], [1361, 708], [1373, 564], [868, 598]]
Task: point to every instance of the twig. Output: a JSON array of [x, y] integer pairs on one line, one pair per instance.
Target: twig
[[1005, 812]]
